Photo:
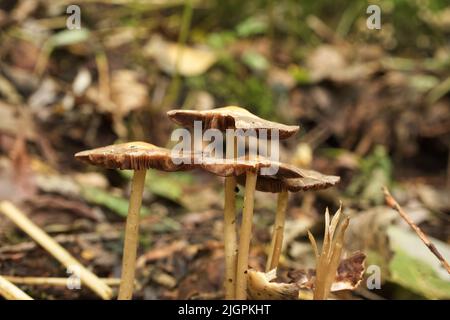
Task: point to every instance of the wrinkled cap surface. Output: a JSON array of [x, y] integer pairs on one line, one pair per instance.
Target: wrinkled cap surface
[[238, 167], [230, 118], [306, 180], [132, 156]]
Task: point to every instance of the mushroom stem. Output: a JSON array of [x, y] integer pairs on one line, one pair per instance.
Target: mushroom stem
[[131, 236], [229, 237], [10, 292], [245, 236], [278, 232]]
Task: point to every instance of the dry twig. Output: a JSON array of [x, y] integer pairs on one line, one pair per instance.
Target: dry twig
[[52, 281], [391, 202], [61, 254], [10, 292]]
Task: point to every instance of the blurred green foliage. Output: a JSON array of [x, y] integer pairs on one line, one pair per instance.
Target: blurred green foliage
[[375, 172]]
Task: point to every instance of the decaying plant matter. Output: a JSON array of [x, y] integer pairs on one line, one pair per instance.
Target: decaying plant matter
[[327, 260], [263, 286]]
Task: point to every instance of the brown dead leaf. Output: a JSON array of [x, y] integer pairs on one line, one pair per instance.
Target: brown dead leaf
[[173, 58], [161, 252], [127, 92]]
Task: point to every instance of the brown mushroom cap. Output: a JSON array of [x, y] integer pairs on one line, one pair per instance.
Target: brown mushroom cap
[[306, 180], [230, 118], [132, 156], [238, 167]]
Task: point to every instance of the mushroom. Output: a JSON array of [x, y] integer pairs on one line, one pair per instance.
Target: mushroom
[[249, 170], [230, 117], [307, 180], [136, 156], [236, 118]]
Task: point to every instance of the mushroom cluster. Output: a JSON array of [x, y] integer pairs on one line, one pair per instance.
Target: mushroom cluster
[[245, 169]]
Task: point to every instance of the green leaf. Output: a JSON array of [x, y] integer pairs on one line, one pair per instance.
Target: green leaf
[[114, 203], [414, 267], [252, 26], [418, 277], [255, 61], [375, 172], [68, 37], [166, 185]]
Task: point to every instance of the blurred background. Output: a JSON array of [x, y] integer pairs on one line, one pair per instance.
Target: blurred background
[[373, 106]]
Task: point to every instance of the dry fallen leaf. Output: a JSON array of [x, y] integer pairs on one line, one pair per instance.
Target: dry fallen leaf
[[127, 92], [173, 58]]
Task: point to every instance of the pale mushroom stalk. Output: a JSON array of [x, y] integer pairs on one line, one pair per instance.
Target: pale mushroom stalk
[[278, 231], [230, 241], [245, 236], [229, 237], [282, 184], [131, 236]]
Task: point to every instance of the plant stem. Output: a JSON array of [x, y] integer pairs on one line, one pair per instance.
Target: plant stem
[[278, 232], [131, 236], [229, 237], [245, 236], [10, 292]]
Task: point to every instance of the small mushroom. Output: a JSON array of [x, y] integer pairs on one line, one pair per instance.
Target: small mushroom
[[136, 156], [307, 180], [250, 169], [236, 118], [230, 117]]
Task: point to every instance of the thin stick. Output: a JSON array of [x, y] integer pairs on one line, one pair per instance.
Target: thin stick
[[391, 202], [44, 281], [61, 254], [229, 237], [131, 236], [245, 236], [278, 232], [10, 292]]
